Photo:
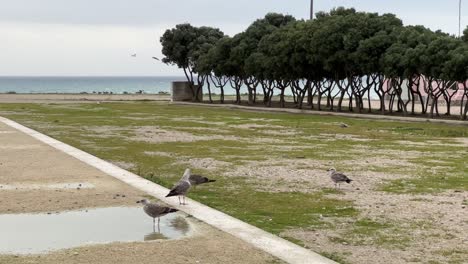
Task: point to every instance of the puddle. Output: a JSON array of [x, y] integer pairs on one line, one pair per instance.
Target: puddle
[[56, 186], [40, 233]]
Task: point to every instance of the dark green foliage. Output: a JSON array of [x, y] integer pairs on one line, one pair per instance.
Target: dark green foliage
[[343, 54]]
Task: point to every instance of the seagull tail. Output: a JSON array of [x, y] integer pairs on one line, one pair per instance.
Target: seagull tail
[[172, 193], [211, 180], [173, 210], [349, 181]]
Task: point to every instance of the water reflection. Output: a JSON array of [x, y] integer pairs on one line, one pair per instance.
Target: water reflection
[[179, 223], [39, 233]]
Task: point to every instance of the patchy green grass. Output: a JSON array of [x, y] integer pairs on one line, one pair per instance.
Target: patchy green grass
[[370, 232], [435, 162]]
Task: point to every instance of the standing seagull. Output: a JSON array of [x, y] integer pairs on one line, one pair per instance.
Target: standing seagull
[[198, 179], [182, 187], [338, 178], [156, 210]]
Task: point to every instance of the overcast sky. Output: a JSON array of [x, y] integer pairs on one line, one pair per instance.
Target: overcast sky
[[97, 37]]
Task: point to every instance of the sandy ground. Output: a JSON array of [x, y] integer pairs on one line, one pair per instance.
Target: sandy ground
[[49, 98], [37, 178], [432, 227]]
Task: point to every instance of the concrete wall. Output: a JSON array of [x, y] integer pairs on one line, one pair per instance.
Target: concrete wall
[[181, 92]]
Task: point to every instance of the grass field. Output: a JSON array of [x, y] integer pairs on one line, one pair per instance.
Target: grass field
[[408, 201]]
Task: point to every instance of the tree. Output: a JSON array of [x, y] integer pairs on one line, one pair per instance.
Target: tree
[[247, 44], [465, 35], [183, 46], [341, 54]]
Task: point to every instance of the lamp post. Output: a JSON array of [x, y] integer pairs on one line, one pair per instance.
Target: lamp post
[[459, 18], [312, 9]]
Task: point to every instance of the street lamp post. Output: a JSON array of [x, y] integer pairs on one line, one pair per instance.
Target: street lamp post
[[459, 18], [311, 9]]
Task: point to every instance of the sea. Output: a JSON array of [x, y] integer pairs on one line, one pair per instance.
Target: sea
[[116, 85]]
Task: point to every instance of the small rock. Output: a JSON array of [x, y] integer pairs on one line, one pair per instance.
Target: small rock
[[75, 253], [357, 189], [49, 213], [123, 195], [78, 188], [463, 207], [457, 191], [79, 185], [345, 243]]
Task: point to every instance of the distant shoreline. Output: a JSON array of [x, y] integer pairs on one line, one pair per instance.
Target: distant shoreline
[[78, 97]]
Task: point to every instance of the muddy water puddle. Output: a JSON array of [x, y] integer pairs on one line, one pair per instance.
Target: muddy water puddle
[[40, 233]]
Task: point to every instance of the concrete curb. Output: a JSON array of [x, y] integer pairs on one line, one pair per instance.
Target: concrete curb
[[324, 113], [276, 246]]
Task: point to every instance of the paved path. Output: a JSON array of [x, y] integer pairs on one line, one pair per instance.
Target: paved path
[[326, 113], [55, 162]]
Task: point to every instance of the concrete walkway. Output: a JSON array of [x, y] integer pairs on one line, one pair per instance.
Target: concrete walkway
[[325, 113], [278, 247]]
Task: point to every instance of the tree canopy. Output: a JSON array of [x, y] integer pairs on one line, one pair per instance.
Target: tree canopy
[[343, 54]]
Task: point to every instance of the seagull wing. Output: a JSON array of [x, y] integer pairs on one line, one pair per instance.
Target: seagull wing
[[154, 210], [340, 177], [180, 188], [198, 179]]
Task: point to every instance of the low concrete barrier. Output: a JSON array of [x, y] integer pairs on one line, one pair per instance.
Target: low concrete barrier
[[181, 92]]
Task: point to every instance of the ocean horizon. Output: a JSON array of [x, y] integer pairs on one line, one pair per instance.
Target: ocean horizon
[[87, 84]]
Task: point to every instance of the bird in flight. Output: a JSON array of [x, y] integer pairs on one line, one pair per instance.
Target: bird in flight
[[156, 58], [133, 55]]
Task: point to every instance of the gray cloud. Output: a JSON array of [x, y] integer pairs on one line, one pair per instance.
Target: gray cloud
[[140, 12]]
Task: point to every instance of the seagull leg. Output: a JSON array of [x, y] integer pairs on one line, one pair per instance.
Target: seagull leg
[[159, 230], [153, 224], [179, 200]]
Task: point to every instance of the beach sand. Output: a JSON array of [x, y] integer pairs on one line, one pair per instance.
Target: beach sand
[[51, 98]]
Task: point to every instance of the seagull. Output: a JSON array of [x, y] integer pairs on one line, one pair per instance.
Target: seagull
[[338, 178], [156, 58], [133, 55], [181, 188], [198, 179], [156, 210]]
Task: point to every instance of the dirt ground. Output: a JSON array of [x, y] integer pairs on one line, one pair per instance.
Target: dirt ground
[[415, 228], [37, 178]]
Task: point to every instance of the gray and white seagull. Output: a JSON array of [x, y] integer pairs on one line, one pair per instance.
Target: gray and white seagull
[[196, 179], [155, 210], [182, 187], [338, 177]]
